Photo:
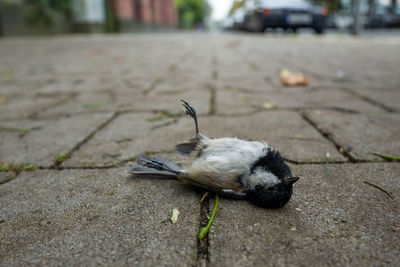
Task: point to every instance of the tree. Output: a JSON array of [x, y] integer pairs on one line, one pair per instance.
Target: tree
[[331, 5], [371, 7], [192, 12], [43, 10], [393, 4], [235, 5]]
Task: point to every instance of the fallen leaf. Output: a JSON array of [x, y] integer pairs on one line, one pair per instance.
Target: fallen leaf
[[268, 105], [204, 196], [292, 79], [175, 215]]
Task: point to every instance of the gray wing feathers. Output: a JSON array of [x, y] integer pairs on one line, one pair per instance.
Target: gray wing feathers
[[155, 166], [187, 148], [150, 171]]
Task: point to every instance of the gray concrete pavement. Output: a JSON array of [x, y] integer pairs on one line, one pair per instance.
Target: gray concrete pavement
[[331, 220], [100, 101]]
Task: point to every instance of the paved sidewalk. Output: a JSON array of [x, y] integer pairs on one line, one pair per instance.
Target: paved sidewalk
[[76, 111]]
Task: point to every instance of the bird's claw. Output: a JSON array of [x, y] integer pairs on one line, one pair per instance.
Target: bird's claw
[[189, 110]]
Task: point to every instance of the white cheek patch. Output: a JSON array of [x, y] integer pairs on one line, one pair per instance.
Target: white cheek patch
[[260, 177]]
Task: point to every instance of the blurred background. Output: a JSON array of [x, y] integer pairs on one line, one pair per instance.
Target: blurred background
[[38, 17]]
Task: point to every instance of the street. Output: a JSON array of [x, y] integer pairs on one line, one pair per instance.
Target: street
[[76, 112]]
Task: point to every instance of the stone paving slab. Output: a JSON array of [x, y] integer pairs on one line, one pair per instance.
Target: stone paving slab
[[93, 83], [132, 134], [248, 83], [284, 130], [243, 101], [175, 85], [83, 102], [321, 59], [131, 100], [104, 216], [38, 142], [7, 176], [92, 217], [20, 107], [363, 134], [388, 96], [330, 220]]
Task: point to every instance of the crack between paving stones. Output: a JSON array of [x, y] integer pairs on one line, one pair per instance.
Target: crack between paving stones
[[268, 80], [258, 109], [295, 162], [60, 168], [87, 138], [213, 92], [35, 114], [172, 68], [107, 166], [203, 244], [10, 178], [369, 100], [69, 115], [214, 75], [213, 100], [327, 136], [153, 85]]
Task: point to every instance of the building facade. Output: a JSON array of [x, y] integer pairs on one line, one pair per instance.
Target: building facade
[[150, 12]]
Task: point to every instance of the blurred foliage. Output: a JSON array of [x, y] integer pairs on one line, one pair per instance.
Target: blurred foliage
[[393, 4], [332, 5], [44, 11], [235, 5], [111, 24], [192, 13]]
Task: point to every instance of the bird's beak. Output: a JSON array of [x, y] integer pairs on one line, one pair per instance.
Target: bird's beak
[[290, 180]]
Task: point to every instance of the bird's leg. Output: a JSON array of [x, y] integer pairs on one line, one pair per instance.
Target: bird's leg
[[192, 113]]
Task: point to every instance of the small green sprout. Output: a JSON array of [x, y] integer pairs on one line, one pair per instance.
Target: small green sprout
[[61, 158], [204, 230]]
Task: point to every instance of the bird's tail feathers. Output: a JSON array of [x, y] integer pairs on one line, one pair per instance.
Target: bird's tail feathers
[[155, 166]]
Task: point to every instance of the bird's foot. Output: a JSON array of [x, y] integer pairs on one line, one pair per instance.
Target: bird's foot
[[189, 110]]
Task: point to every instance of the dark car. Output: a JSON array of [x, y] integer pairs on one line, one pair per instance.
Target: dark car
[[285, 14], [384, 17]]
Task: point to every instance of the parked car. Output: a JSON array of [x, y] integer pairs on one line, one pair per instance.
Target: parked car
[[285, 14], [384, 17]]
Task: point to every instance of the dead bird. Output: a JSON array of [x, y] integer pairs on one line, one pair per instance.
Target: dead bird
[[241, 169]]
